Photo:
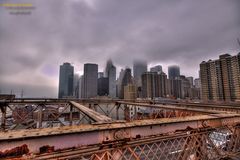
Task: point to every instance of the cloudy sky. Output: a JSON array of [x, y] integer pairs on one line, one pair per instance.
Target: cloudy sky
[[166, 32]]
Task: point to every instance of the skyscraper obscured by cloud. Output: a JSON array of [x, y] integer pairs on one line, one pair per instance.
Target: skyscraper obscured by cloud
[[90, 77], [110, 73], [125, 78], [157, 69], [66, 75], [173, 72], [100, 74], [139, 67], [76, 86]]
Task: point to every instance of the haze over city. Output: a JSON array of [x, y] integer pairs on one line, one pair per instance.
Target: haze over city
[[179, 32]]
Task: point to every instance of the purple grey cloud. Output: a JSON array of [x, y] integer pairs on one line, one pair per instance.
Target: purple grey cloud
[[182, 32]]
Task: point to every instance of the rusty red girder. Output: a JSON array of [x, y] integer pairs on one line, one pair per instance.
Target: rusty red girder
[[182, 133]]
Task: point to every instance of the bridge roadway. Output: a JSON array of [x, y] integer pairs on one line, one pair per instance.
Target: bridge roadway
[[114, 139], [215, 106]]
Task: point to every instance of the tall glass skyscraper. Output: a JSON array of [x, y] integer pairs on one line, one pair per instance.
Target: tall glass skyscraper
[[110, 73], [139, 67], [90, 77], [173, 72], [65, 88]]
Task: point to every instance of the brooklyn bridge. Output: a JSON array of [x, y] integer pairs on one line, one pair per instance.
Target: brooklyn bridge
[[106, 129]]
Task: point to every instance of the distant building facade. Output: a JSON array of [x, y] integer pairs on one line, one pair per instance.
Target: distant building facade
[[190, 79], [110, 73], [157, 68], [185, 86], [197, 88], [100, 74], [66, 75], [81, 84], [220, 79], [197, 83], [181, 88], [90, 77], [76, 86], [174, 88], [103, 85], [139, 67], [119, 82], [130, 92], [125, 79], [154, 85], [173, 72]]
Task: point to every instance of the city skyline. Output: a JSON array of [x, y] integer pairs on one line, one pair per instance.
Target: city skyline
[[81, 74], [182, 33]]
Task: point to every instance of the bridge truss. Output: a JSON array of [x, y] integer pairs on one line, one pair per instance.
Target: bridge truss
[[112, 129]]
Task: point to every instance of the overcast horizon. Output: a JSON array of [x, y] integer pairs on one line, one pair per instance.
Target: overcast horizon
[[161, 32]]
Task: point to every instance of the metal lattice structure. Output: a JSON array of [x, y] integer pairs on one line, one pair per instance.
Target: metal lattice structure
[[196, 145], [118, 130]]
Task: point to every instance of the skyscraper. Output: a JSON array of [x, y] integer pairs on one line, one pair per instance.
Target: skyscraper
[[103, 86], [173, 72], [154, 84], [220, 79], [100, 74], [90, 77], [174, 88], [185, 86], [119, 82], [161, 85], [76, 85], [126, 78], [81, 84], [65, 88], [130, 92], [197, 83], [190, 79], [148, 84], [110, 73], [157, 68], [139, 67]]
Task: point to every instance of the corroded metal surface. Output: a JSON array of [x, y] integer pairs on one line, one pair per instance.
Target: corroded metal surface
[[66, 137], [168, 131], [97, 117], [174, 107], [198, 121]]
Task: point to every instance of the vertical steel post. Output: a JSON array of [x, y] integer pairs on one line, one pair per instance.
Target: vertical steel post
[[117, 111], [3, 120], [126, 112], [71, 115], [89, 120], [135, 112], [40, 114]]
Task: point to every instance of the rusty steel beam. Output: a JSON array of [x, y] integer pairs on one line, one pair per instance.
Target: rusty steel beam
[[214, 107], [93, 149], [55, 101], [173, 107], [70, 136], [97, 117], [210, 106], [108, 133]]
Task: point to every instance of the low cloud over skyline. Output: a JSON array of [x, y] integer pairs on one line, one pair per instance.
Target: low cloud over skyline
[[182, 32]]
